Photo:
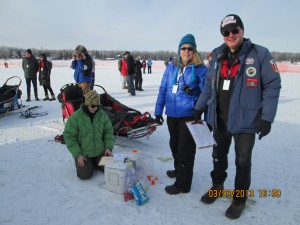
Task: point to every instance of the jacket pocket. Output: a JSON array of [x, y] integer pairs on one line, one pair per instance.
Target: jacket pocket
[[248, 115]]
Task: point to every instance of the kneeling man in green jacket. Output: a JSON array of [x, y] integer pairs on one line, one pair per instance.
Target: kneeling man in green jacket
[[89, 135]]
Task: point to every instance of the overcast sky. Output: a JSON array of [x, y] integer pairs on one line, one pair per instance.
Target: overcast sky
[[145, 25]]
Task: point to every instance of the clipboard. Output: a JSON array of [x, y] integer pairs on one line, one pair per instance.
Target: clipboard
[[201, 134]]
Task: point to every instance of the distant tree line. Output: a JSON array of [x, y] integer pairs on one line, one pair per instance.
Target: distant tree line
[[66, 54]]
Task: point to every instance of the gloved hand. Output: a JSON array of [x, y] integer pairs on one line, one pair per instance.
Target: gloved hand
[[263, 128], [159, 119], [197, 114]]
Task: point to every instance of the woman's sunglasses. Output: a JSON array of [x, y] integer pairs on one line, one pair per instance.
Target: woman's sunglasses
[[233, 31], [187, 48]]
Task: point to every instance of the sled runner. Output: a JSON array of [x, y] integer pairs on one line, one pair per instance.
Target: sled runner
[[10, 95], [127, 122]]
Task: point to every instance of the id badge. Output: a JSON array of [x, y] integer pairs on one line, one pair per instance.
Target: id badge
[[226, 85], [175, 88]]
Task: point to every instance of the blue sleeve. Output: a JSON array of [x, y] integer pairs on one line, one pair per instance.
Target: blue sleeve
[[161, 98]]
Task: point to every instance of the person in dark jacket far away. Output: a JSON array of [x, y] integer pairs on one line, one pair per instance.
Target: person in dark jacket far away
[[241, 97], [45, 67], [181, 85], [30, 67], [89, 135], [130, 72]]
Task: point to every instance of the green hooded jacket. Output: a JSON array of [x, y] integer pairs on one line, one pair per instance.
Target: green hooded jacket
[[87, 138]]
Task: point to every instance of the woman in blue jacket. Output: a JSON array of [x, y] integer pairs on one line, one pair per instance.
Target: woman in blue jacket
[[180, 88]]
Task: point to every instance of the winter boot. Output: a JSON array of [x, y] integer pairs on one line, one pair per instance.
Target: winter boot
[[37, 98], [235, 209], [213, 193], [28, 99], [52, 98], [171, 173], [46, 98]]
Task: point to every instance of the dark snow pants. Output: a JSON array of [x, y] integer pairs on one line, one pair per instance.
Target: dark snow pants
[[183, 149], [244, 143], [85, 172]]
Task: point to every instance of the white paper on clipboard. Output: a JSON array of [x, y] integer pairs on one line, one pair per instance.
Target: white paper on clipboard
[[201, 134]]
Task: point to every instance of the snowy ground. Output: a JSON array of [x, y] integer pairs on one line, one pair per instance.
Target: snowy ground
[[38, 184]]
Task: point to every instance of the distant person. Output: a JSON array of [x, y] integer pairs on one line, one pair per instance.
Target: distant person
[[5, 64], [122, 66], [241, 93], [45, 67], [149, 64], [93, 75], [30, 67], [83, 65], [130, 72], [181, 85], [144, 66], [209, 58], [89, 136], [138, 77]]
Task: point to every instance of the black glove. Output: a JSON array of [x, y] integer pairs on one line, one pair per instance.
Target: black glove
[[263, 128], [159, 120], [197, 114]]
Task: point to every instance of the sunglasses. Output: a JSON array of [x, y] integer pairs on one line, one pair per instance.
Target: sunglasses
[[95, 106], [233, 31], [187, 48]]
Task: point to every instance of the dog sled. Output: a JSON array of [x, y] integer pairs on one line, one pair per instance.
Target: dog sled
[[127, 122], [10, 94]]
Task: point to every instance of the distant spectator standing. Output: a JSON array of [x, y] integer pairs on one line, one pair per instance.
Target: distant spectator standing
[[149, 64], [138, 75], [144, 65], [44, 76], [130, 72], [93, 75], [30, 67], [83, 66], [122, 66], [6, 64]]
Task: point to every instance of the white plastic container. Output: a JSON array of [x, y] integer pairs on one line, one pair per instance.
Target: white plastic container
[[118, 177]]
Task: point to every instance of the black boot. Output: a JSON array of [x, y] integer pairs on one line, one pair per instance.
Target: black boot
[[174, 190], [213, 193], [171, 173], [235, 209], [46, 98]]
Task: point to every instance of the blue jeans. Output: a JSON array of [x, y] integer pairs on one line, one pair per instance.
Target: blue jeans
[[131, 89]]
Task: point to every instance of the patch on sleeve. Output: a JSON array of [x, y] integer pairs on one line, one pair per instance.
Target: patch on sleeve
[[274, 66]]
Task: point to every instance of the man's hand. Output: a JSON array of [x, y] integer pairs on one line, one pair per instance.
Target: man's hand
[[197, 114], [80, 160], [263, 128], [159, 119]]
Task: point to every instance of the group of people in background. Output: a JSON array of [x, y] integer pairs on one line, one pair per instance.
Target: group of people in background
[[236, 93], [131, 72], [31, 67]]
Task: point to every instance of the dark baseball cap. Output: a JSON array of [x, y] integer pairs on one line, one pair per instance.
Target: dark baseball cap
[[127, 52], [230, 22]]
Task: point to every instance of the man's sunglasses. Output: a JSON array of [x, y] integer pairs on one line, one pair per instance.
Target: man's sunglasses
[[187, 48], [233, 31], [95, 106]]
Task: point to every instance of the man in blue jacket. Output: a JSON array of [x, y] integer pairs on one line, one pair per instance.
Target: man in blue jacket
[[241, 97]]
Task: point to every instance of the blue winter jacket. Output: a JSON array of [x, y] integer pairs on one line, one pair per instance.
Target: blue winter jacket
[[256, 89], [180, 104], [83, 69]]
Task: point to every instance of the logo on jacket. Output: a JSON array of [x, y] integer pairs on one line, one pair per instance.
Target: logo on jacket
[[249, 61], [274, 66], [251, 71]]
